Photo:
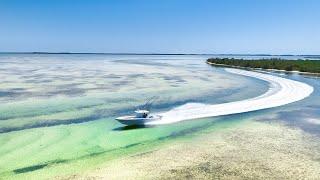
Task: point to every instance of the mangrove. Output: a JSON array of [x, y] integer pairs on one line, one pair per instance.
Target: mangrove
[[308, 66]]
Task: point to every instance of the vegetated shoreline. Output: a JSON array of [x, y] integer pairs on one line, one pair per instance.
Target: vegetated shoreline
[[307, 67]]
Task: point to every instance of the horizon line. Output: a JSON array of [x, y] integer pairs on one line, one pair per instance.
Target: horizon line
[[130, 53]]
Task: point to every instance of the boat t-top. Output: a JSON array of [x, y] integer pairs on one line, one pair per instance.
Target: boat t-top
[[141, 117]]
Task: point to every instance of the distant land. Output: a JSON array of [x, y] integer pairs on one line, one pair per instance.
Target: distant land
[[130, 53], [300, 65]]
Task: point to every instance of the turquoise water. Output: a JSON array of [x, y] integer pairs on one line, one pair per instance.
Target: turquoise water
[[59, 110]]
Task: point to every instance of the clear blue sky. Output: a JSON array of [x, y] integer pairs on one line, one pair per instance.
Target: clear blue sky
[[161, 26]]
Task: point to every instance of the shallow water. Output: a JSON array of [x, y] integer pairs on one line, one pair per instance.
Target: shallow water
[[59, 110]]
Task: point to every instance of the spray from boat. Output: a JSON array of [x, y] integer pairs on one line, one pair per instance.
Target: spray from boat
[[281, 91]]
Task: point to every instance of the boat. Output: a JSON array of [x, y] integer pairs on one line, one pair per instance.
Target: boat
[[140, 118]]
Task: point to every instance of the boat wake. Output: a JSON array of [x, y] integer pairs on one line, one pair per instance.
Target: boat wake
[[281, 91]]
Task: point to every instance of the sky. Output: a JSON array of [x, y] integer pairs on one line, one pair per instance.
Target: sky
[[161, 26]]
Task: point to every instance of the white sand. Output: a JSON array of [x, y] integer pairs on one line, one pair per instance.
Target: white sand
[[252, 150], [282, 91]]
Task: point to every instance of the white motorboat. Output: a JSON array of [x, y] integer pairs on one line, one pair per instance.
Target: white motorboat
[[140, 118]]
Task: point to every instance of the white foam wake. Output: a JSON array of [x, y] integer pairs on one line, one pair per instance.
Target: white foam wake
[[281, 91]]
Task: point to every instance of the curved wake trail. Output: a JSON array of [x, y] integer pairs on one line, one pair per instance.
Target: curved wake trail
[[281, 91]]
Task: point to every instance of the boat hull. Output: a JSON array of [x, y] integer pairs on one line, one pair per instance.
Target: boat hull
[[132, 120]]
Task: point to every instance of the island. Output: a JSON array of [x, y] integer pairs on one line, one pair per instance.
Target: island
[[303, 66]]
